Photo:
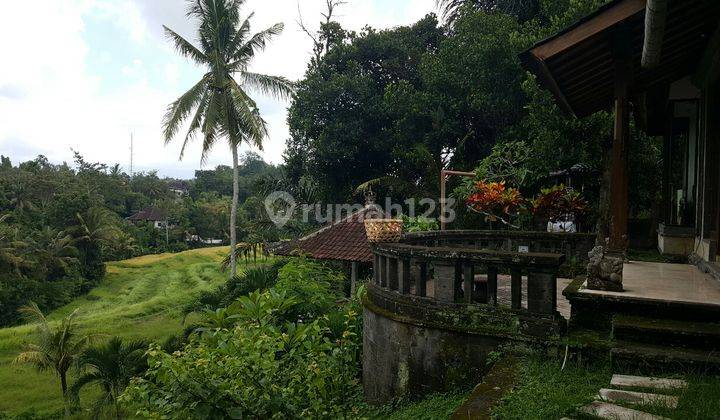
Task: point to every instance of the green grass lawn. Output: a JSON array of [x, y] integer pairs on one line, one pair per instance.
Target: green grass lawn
[[138, 298], [546, 392]]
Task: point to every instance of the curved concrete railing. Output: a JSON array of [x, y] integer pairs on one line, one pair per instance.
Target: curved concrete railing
[[432, 314], [572, 245], [451, 270]]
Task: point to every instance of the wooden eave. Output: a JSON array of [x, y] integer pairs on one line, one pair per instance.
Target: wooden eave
[[577, 65]]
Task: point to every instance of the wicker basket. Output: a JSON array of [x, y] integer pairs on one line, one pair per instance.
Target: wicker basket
[[383, 230]]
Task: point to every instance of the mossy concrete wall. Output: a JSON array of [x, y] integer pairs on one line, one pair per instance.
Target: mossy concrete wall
[[403, 359], [414, 345]]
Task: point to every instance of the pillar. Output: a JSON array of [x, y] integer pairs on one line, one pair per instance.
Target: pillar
[[353, 277]]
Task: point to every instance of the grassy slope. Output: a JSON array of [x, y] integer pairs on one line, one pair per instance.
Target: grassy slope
[[139, 298]]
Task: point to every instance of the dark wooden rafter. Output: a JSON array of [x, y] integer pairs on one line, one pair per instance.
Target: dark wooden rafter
[[549, 83], [580, 73], [593, 26]]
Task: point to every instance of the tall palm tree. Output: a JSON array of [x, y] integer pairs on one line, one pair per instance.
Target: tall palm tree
[[219, 103], [110, 365], [56, 348]]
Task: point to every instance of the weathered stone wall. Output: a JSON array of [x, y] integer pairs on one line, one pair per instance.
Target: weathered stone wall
[[414, 345], [404, 359]]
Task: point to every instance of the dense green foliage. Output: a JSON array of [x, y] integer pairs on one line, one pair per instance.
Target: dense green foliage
[[59, 224], [288, 351], [399, 105], [110, 365]]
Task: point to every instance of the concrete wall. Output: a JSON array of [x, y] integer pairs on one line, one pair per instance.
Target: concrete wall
[[404, 359], [414, 345]]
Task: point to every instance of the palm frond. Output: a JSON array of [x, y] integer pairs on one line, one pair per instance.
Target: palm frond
[[181, 108], [35, 357], [256, 43], [185, 47], [211, 124], [239, 36], [276, 86]]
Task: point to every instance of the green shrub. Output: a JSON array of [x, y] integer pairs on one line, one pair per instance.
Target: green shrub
[[257, 370], [315, 285]]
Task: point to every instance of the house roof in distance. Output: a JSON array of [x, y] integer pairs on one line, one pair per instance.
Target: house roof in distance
[[179, 185], [150, 213], [343, 240]]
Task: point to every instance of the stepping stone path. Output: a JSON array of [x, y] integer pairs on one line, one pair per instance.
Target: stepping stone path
[[604, 408]]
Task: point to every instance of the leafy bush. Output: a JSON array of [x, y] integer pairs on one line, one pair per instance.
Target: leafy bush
[[255, 278], [259, 369], [419, 224], [315, 285]]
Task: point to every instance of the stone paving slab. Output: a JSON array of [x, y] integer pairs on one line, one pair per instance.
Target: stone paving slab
[[647, 382], [615, 412], [617, 395]]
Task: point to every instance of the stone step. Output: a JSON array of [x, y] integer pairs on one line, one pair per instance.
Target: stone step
[[656, 358], [642, 398], [630, 381], [606, 410], [690, 334]]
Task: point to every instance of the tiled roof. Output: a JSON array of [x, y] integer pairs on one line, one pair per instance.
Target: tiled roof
[[344, 240], [149, 214]]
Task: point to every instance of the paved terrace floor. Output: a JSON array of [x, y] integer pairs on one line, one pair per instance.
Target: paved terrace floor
[[641, 280], [665, 282]]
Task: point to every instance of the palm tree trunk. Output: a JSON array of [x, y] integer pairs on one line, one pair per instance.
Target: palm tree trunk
[[233, 213], [63, 384]]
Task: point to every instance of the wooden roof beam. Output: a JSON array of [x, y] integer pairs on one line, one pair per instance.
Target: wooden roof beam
[[548, 81], [598, 23]]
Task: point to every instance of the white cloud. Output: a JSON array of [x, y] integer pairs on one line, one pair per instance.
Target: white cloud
[[52, 100]]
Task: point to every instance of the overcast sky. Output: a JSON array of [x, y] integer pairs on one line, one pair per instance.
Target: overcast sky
[[84, 74]]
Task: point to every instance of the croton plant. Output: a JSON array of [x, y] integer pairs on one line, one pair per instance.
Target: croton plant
[[496, 201], [559, 204], [499, 202]]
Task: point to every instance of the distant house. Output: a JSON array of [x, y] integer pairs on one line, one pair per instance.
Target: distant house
[[150, 214], [179, 187]]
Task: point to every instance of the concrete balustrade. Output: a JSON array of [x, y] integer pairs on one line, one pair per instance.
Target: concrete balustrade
[[451, 271]]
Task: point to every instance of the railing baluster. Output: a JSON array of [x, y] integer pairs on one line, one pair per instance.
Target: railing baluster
[[381, 272], [516, 287], [542, 292], [492, 274], [481, 294], [421, 283], [444, 281], [392, 273], [458, 280], [468, 281], [404, 276]]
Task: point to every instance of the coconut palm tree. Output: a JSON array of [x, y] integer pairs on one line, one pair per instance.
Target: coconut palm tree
[[219, 103], [110, 365], [56, 348]]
